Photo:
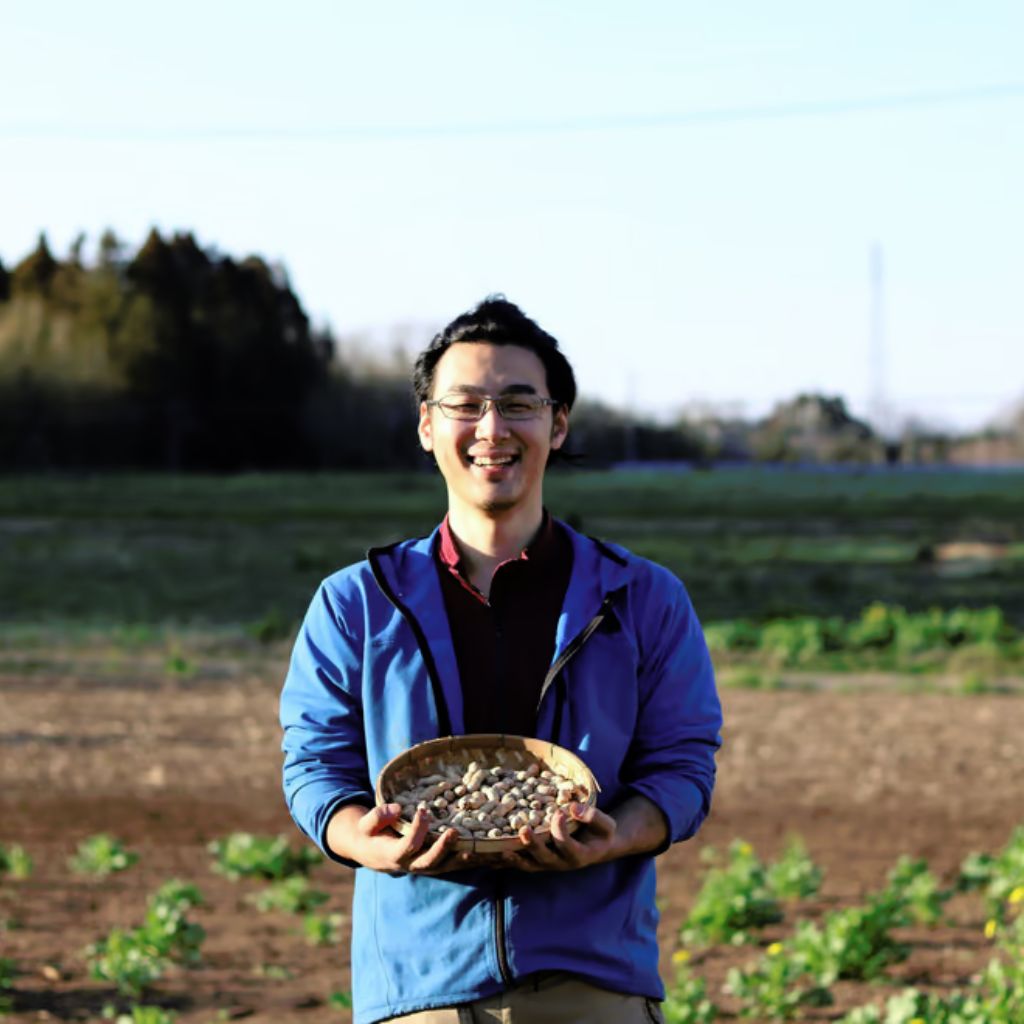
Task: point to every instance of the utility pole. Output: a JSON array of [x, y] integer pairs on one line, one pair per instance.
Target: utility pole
[[878, 402]]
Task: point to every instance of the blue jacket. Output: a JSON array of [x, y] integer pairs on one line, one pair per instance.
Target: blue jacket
[[630, 690]]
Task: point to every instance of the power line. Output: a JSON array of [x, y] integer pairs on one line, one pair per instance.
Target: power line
[[603, 123]]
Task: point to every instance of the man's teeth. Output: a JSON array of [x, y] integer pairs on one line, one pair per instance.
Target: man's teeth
[[492, 460]]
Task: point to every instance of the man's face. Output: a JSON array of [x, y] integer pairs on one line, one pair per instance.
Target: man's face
[[492, 465]]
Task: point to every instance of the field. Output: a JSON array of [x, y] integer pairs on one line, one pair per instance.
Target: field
[[144, 630]]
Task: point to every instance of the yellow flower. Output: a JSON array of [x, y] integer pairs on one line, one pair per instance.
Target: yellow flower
[[744, 849], [916, 1020], [680, 956], [990, 928], [1017, 896], [774, 949]]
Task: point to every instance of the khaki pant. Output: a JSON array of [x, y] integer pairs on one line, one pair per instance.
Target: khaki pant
[[555, 998]]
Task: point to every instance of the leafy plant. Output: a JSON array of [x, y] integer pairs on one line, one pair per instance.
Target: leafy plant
[[271, 627], [734, 899], [101, 855], [794, 876], [273, 972], [15, 861], [127, 960], [166, 926], [323, 929], [132, 959], [145, 1015], [8, 972], [243, 855], [855, 942], [686, 1001], [340, 1000], [294, 895], [997, 877], [770, 988], [912, 882]]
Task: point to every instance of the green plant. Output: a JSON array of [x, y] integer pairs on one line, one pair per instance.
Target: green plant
[[243, 855], [273, 972], [101, 855], [794, 876], [770, 987], [132, 959], [340, 1000], [974, 683], [8, 972], [271, 627], [127, 960], [912, 882], [15, 861], [293, 895], [997, 877], [323, 929], [686, 1001], [179, 664], [855, 942], [734, 899], [145, 1015], [167, 928]]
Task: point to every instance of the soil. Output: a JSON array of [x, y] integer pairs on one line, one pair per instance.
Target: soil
[[169, 764]]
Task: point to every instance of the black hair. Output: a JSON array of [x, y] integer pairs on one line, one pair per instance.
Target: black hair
[[496, 321]]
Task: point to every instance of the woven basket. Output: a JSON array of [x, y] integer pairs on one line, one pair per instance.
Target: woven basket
[[516, 752]]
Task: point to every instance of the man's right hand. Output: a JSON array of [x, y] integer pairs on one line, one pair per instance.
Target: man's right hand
[[367, 836]]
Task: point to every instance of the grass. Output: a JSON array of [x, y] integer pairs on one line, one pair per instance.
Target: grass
[[145, 551]]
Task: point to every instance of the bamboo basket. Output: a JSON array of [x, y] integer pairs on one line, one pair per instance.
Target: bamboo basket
[[515, 752]]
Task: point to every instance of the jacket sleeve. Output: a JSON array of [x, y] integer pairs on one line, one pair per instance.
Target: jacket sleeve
[[671, 760], [325, 765]]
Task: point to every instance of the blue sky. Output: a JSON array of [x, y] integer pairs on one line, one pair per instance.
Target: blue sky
[[679, 192]]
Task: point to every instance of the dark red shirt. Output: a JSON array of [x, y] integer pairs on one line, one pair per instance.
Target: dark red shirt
[[504, 646]]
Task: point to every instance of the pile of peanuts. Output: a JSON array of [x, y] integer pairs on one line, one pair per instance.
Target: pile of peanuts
[[489, 802]]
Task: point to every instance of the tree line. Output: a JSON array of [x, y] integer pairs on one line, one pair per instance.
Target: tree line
[[176, 356], [179, 357]]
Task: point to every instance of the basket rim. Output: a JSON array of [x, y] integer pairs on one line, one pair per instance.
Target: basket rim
[[435, 748]]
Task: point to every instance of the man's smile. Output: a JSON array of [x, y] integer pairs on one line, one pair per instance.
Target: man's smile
[[492, 459]]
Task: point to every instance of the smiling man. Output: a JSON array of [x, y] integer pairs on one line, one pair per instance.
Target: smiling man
[[502, 620]]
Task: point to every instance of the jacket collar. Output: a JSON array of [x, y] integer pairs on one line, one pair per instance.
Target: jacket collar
[[410, 569]]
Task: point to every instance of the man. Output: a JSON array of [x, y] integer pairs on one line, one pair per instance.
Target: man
[[503, 620]]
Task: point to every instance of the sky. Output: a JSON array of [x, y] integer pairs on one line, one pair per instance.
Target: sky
[[690, 197]]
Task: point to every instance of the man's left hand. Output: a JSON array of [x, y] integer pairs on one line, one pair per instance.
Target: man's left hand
[[592, 843]]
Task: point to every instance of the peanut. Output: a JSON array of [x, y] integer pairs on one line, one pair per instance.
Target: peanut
[[495, 801]]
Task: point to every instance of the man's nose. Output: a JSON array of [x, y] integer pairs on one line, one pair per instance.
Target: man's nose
[[492, 423]]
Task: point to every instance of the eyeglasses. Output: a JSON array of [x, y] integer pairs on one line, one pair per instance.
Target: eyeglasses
[[475, 407]]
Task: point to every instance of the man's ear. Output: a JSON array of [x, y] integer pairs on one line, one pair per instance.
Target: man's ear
[[423, 429], [559, 427]]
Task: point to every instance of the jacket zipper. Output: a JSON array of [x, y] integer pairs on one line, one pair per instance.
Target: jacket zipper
[[499, 935], [566, 656], [573, 648]]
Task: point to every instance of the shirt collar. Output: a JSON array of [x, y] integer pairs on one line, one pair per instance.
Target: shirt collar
[[538, 552]]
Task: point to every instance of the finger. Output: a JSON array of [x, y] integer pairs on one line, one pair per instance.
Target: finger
[[437, 854], [537, 849], [379, 818], [598, 822], [413, 839], [564, 842]]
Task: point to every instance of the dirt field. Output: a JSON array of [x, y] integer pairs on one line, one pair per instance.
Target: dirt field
[[169, 764]]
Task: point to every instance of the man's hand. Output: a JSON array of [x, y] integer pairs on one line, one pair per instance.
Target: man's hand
[[368, 836], [591, 844], [635, 826]]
